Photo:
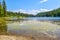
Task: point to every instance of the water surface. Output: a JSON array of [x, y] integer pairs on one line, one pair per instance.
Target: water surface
[[36, 26]]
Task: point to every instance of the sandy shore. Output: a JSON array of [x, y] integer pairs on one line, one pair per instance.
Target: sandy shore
[[10, 37]]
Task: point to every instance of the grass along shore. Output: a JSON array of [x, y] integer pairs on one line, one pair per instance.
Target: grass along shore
[[3, 26]]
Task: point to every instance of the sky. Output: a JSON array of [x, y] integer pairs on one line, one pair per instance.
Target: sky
[[32, 6]]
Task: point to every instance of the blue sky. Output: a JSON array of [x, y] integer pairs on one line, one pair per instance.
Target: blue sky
[[32, 6]]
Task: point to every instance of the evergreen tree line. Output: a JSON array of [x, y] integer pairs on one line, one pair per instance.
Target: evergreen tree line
[[18, 14], [53, 13]]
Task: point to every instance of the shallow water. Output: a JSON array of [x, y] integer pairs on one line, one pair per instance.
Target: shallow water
[[35, 27]]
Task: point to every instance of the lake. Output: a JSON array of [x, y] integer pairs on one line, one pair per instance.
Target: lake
[[35, 26]]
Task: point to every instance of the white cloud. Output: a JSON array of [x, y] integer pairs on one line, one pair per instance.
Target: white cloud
[[33, 11], [42, 1]]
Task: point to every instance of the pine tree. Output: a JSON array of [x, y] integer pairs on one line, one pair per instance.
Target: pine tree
[[0, 7], [4, 7]]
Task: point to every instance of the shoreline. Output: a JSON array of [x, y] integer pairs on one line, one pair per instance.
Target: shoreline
[[14, 37]]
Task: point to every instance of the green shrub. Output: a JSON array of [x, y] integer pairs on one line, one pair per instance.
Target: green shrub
[[3, 27]]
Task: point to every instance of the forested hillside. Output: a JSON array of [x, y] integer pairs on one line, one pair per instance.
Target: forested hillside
[[53, 13]]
